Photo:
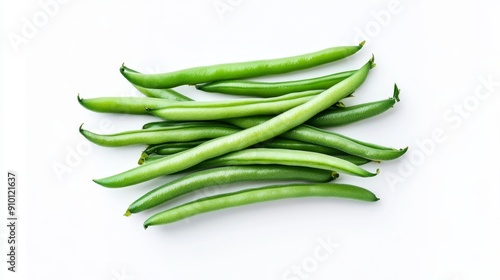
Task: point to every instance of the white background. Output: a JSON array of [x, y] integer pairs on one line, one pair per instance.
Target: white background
[[440, 219]]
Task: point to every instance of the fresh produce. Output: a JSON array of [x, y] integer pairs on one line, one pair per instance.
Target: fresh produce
[[274, 135], [256, 195], [271, 89], [238, 70]]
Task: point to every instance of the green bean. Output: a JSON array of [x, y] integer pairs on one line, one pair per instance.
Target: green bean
[[281, 143], [157, 148], [165, 93], [342, 116], [271, 89], [167, 149], [224, 176], [277, 143], [287, 157], [256, 195], [242, 139], [334, 116], [220, 161], [216, 110], [129, 105], [238, 70], [157, 135], [253, 156], [309, 134]]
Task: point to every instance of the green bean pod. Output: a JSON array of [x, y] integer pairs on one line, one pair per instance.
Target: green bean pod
[[343, 116], [216, 110], [164, 93], [167, 149], [238, 70], [157, 135], [277, 143], [127, 105], [242, 139], [288, 157], [224, 176], [245, 158], [272, 89], [256, 195]]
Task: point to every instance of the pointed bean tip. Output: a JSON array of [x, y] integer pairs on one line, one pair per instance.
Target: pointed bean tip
[[396, 92], [362, 43], [98, 181], [127, 213], [372, 61], [80, 128]]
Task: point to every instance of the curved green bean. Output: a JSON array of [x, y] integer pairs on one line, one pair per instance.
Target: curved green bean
[[238, 70], [272, 89], [256, 195], [216, 110], [157, 135], [242, 159], [128, 105], [164, 149], [242, 139], [251, 156], [288, 157], [224, 176], [165, 93], [346, 115], [313, 135]]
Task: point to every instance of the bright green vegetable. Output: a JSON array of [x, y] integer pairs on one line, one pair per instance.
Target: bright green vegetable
[[223, 176], [216, 110], [272, 89], [241, 139], [341, 116], [158, 135], [127, 105], [257, 195], [238, 70]]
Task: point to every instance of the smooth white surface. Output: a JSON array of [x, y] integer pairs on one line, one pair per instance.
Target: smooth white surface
[[441, 222]]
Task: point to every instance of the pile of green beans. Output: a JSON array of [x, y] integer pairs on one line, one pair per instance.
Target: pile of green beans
[[281, 132]]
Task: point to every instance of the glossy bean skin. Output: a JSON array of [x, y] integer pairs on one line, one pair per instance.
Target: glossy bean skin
[[157, 135], [217, 110], [242, 139], [224, 176], [243, 158], [343, 116], [127, 105], [256, 195], [277, 143], [313, 135], [164, 93], [167, 149], [237, 70], [272, 89], [258, 156]]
